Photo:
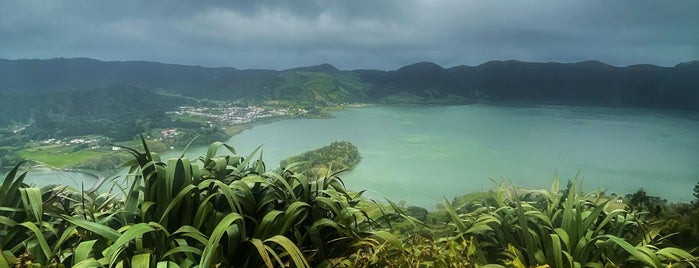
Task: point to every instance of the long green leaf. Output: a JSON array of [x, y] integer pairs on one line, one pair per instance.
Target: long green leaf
[[183, 249], [291, 249], [167, 264], [45, 249], [68, 233], [246, 161], [177, 200], [10, 184], [141, 260], [31, 198], [83, 250], [132, 232], [635, 252], [207, 256], [102, 230], [455, 217], [4, 263], [676, 254], [262, 252], [88, 263], [7, 221], [555, 251], [192, 232]]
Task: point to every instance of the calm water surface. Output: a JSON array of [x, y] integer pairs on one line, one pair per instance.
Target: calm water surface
[[420, 154]]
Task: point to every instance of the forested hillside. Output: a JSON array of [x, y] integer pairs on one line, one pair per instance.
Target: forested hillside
[[79, 112], [583, 83]]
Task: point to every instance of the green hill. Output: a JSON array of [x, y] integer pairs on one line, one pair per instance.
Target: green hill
[[582, 83]]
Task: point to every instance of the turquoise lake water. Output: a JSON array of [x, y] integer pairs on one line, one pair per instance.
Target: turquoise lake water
[[421, 153]]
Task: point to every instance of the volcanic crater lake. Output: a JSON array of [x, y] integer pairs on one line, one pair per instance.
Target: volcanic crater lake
[[421, 153]]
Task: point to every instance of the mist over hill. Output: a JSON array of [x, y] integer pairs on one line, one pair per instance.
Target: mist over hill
[[582, 83]]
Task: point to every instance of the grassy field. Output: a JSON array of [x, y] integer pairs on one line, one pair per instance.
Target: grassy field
[[187, 118], [61, 156]]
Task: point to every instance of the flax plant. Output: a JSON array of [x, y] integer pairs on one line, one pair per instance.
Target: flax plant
[[562, 229], [219, 210]]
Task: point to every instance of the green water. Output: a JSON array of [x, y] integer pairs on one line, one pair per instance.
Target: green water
[[419, 154]]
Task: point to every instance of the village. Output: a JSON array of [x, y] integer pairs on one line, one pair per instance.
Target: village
[[227, 116], [92, 142], [235, 115], [213, 122]]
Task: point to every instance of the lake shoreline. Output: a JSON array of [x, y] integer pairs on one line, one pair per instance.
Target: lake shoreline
[[230, 131], [464, 145]]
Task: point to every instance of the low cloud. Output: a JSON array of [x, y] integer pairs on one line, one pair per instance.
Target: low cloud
[[351, 34]]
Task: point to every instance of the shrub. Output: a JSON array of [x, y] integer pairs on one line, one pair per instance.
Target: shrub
[[219, 210]]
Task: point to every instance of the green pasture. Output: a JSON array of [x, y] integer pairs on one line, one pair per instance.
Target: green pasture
[[60, 157]]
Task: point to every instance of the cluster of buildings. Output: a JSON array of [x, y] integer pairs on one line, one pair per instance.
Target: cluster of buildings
[[234, 115], [93, 142], [169, 133]]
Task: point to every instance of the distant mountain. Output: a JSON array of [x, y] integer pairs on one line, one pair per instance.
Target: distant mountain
[[82, 73], [582, 83]]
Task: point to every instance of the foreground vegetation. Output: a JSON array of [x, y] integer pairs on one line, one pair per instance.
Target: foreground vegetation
[[226, 210]]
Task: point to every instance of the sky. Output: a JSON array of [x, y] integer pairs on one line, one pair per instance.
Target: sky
[[353, 34]]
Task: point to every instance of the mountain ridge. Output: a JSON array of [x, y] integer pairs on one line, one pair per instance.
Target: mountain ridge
[[586, 82]]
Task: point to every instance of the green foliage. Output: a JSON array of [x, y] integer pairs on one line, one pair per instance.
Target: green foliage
[[61, 157], [228, 210], [417, 212], [562, 230], [318, 87], [322, 162], [419, 251], [8, 156], [677, 223], [220, 210]]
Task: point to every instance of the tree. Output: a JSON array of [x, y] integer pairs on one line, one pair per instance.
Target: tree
[[696, 195], [418, 212], [639, 199]]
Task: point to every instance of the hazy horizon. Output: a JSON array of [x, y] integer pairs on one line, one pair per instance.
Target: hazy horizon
[[322, 63]]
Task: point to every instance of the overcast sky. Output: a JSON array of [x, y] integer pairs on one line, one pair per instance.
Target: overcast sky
[[352, 34]]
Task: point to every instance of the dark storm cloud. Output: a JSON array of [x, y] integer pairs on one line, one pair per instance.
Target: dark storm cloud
[[351, 34]]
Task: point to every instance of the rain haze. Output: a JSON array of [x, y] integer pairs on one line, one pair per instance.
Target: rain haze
[[352, 34]]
